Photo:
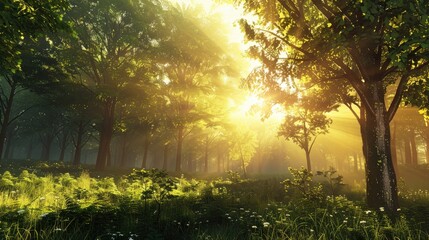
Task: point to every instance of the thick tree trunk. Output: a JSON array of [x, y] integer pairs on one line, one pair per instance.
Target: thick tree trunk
[[6, 116], [380, 178], [106, 133], [179, 149]]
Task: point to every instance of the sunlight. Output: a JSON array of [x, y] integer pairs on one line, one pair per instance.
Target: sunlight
[[251, 101]]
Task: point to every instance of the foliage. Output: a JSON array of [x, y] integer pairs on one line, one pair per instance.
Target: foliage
[[302, 183], [65, 206]]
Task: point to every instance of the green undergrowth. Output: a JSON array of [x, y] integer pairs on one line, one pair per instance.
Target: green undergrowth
[[150, 204]]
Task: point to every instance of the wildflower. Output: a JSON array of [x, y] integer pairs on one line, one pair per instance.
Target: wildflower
[[367, 212], [266, 224], [242, 209], [287, 215], [362, 222], [398, 209], [279, 209], [345, 221], [331, 215], [311, 230], [381, 209], [254, 227]]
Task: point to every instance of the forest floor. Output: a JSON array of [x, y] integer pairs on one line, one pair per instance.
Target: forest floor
[[56, 201]]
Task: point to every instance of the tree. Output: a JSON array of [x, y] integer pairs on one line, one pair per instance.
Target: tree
[[115, 44], [191, 61], [368, 44], [302, 125], [242, 147], [26, 19]]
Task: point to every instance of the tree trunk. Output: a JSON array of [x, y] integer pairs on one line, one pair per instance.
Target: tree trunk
[[414, 157], [63, 146], [8, 153], [206, 156], [393, 146], [407, 150], [123, 153], [78, 144], [46, 140], [381, 185], [243, 164], [106, 133], [427, 143], [179, 149], [356, 162], [145, 151], [219, 159], [30, 149], [165, 164], [6, 116], [307, 158]]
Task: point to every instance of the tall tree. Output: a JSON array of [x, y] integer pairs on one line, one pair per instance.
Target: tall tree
[[191, 60], [367, 44], [115, 42]]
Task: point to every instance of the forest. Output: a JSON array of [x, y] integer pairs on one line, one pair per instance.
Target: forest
[[214, 119]]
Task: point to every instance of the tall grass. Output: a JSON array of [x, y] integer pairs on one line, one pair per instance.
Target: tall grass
[[148, 204]]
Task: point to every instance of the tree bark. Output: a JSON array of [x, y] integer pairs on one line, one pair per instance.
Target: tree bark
[[393, 146], [307, 158], [380, 178], [106, 133], [7, 109]]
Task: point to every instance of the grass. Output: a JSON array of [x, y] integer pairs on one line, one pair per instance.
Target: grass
[[148, 204]]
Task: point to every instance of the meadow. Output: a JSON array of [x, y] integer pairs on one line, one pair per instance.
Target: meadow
[[54, 201]]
